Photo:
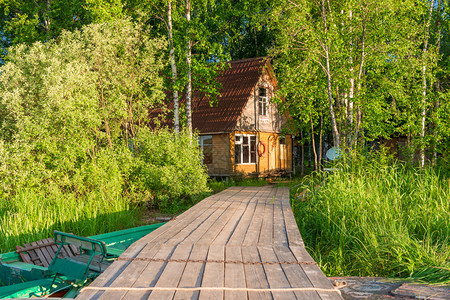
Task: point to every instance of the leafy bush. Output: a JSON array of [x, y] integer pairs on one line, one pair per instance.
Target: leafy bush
[[69, 110], [169, 165]]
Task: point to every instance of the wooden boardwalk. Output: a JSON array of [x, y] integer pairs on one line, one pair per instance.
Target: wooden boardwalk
[[242, 243]]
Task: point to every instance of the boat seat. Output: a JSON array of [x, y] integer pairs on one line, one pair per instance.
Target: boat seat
[[78, 268], [97, 264]]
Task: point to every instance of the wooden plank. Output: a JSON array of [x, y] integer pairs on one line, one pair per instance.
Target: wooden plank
[[275, 274], [200, 224], [95, 264], [255, 275], [53, 246], [214, 231], [254, 229], [315, 275], [134, 271], [266, 234], [206, 225], [294, 237], [234, 273], [241, 229], [172, 273], [214, 273], [193, 273], [46, 242], [151, 273], [187, 217], [107, 277], [35, 260], [33, 257], [24, 255], [295, 274], [156, 239], [226, 232], [45, 253], [131, 273], [280, 237], [43, 261]]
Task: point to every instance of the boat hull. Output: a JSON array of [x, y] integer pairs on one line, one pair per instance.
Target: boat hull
[[22, 280]]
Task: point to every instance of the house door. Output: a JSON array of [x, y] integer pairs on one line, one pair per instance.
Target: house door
[[272, 155]]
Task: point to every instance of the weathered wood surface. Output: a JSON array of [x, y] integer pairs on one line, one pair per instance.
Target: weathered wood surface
[[41, 253], [222, 248]]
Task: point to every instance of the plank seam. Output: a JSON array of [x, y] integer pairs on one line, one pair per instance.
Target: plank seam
[[105, 288]]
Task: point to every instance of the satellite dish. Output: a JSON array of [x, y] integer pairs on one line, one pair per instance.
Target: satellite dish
[[334, 153]]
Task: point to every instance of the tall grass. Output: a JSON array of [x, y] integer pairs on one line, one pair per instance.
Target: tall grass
[[31, 216], [372, 218]]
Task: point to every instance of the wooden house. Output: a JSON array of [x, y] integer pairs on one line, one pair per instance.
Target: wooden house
[[241, 133]]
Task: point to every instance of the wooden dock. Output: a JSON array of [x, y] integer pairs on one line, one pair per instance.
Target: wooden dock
[[242, 243]]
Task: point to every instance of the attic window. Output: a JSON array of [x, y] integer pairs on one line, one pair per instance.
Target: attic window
[[262, 102]]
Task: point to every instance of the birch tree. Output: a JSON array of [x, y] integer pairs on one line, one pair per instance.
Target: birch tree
[[365, 52]]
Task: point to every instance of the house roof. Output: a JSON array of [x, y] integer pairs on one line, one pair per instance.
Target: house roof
[[237, 83]]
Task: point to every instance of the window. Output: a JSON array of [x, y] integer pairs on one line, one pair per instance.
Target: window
[[206, 146], [245, 149], [262, 102]]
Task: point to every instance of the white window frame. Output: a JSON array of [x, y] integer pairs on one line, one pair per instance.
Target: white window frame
[[249, 148], [201, 140], [263, 102]]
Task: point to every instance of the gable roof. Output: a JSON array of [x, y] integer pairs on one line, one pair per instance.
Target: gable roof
[[237, 84]]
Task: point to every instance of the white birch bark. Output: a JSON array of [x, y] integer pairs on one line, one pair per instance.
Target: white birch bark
[[189, 72], [176, 111], [334, 129], [424, 87]]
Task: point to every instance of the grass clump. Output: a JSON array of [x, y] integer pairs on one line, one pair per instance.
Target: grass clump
[[31, 215], [372, 218]]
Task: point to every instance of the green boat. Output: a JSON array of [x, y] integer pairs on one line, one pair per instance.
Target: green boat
[[76, 262]]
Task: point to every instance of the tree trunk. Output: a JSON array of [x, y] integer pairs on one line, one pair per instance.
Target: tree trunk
[[302, 164], [438, 83], [358, 115], [350, 133], [313, 144], [424, 87], [189, 71], [320, 141], [176, 110], [334, 129]]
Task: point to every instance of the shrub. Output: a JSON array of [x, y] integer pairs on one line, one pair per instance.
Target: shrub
[[169, 165]]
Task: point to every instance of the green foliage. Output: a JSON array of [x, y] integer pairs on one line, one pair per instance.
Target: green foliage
[[65, 102], [28, 21], [167, 164], [372, 218], [381, 77], [75, 151]]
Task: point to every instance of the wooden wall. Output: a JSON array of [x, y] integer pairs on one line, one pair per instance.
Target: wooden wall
[[221, 162], [250, 119], [276, 157]]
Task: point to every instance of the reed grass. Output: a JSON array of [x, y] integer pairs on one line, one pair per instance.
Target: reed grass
[[31, 216], [372, 218]]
